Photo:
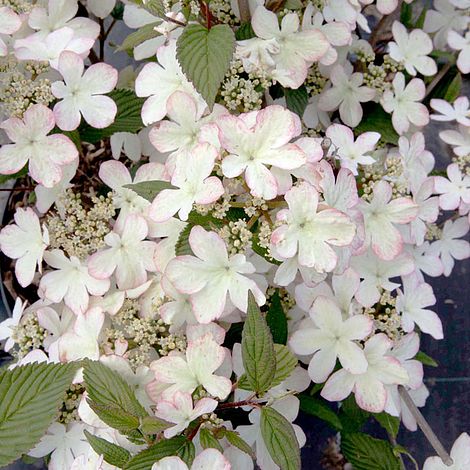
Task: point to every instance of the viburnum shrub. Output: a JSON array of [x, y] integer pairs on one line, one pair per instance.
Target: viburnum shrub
[[239, 225]]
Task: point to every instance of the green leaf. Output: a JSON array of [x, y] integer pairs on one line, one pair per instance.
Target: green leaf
[[205, 55], [352, 417], [453, 90], [277, 320], [19, 174], [138, 37], [420, 21], [112, 453], [182, 246], [391, 424], [366, 453], [30, 397], [152, 425], [296, 100], [286, 362], [149, 189], [316, 407], [187, 452], [208, 440], [235, 439], [258, 354], [425, 359], [74, 136], [165, 448], [115, 416], [245, 31], [127, 119], [279, 437], [406, 14], [377, 120], [155, 7]]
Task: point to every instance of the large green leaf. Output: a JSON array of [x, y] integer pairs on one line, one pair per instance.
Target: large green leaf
[[234, 438], [258, 353], [296, 100], [112, 453], [205, 55], [286, 362], [30, 397], [279, 437], [352, 417], [316, 407], [277, 320], [366, 453]]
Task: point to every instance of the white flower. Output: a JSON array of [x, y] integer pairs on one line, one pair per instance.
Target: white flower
[[330, 339], [178, 409], [55, 325], [462, 44], [70, 282], [10, 22], [159, 81], [347, 93], [454, 190], [202, 358], [81, 93], [404, 104], [459, 139], [411, 304], [101, 8], [46, 154], [460, 455], [8, 326], [412, 50], [352, 153], [129, 255], [257, 140], [25, 242], [459, 111], [369, 387], [193, 184], [127, 143], [208, 459], [210, 275]]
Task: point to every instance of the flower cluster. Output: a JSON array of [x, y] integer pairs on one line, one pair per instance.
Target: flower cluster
[[306, 193]]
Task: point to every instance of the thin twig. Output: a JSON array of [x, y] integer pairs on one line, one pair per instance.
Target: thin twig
[[173, 20], [111, 26], [382, 25], [424, 426]]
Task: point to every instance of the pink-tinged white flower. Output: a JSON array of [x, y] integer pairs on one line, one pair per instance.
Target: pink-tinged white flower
[[369, 387], [458, 111], [460, 455], [412, 303], [350, 152], [46, 154], [127, 143], [257, 140], [193, 184], [376, 273], [461, 43], [129, 255], [70, 282], [179, 409], [177, 311], [10, 22], [347, 93], [208, 459], [345, 11], [159, 81], [314, 116], [381, 215], [210, 275], [101, 8], [50, 47], [184, 374], [449, 246], [82, 341], [330, 339], [412, 50], [26, 242], [453, 190], [81, 93], [7, 327], [296, 50], [64, 443], [340, 192], [311, 234], [404, 103], [55, 325], [460, 140]]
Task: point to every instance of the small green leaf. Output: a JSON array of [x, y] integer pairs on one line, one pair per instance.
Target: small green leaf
[[208, 440], [279, 437], [152, 425], [277, 320], [112, 453], [366, 453], [155, 7], [377, 120], [245, 31], [352, 417], [296, 100], [205, 55], [30, 397], [115, 416], [420, 21], [235, 439], [187, 452], [391, 424], [286, 362], [406, 14], [149, 189], [453, 89], [315, 407], [165, 448], [425, 359], [182, 246], [258, 353], [138, 37]]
